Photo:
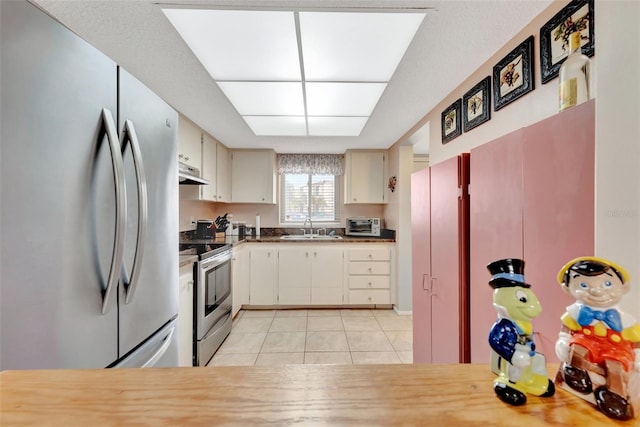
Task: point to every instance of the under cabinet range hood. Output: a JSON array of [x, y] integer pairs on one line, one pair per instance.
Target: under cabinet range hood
[[188, 175]]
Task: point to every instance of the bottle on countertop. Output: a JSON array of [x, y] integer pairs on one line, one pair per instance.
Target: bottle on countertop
[[574, 75]]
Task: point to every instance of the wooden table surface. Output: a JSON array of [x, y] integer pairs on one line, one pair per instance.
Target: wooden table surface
[[316, 395]]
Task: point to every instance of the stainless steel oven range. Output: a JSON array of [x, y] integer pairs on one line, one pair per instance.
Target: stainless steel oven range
[[212, 298]]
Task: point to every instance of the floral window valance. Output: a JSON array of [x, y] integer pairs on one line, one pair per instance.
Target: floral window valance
[[327, 164]]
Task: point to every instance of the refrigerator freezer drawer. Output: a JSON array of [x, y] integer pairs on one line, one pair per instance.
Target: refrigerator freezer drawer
[[161, 350]]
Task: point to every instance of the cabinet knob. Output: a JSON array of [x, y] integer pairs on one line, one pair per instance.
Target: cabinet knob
[[186, 158], [370, 269], [180, 156], [370, 256], [369, 298], [369, 284]]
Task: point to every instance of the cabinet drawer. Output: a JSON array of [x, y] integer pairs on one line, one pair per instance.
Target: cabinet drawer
[[375, 296], [369, 282], [369, 254], [369, 268]]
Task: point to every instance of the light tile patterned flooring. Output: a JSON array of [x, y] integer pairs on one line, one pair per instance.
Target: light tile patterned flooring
[[321, 336]]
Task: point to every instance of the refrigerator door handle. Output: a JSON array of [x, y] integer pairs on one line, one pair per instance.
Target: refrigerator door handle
[[432, 287], [163, 348], [130, 137], [121, 208]]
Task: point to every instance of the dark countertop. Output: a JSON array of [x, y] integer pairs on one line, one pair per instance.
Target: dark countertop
[[235, 241], [186, 260], [277, 239]]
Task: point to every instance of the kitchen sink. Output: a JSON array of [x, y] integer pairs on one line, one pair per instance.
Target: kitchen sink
[[309, 237]]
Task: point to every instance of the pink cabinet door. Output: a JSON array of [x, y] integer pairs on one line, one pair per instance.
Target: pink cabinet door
[[559, 176], [496, 200], [421, 265], [447, 330], [439, 216], [532, 197]]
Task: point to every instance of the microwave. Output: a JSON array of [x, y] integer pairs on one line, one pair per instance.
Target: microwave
[[363, 226]]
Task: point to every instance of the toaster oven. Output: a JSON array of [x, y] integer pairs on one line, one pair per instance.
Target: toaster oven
[[362, 226]]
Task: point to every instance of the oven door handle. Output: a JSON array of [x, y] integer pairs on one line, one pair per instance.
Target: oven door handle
[[219, 259], [131, 137]]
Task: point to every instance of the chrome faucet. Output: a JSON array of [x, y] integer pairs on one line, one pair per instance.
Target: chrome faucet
[[308, 218]]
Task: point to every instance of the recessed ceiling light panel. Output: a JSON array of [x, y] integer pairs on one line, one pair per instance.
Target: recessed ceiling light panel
[[336, 126], [344, 46], [342, 99], [284, 126], [347, 59], [241, 44], [265, 98]]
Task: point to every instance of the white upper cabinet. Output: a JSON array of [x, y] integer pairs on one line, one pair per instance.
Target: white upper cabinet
[[223, 174], [189, 143], [209, 168], [253, 177], [364, 176]]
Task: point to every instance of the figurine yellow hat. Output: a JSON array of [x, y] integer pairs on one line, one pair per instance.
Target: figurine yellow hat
[[623, 273]]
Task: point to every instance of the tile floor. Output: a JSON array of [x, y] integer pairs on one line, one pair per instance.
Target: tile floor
[[322, 336]]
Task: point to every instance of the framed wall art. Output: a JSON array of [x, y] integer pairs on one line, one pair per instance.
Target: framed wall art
[[452, 121], [554, 36], [513, 75], [476, 105]]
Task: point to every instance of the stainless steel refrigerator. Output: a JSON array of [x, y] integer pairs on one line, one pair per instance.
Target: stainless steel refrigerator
[[89, 203]]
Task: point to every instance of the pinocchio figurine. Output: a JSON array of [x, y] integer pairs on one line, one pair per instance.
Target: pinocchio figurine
[[520, 369], [599, 344]]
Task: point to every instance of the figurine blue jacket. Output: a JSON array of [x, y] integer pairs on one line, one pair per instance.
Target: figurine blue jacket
[[504, 336]]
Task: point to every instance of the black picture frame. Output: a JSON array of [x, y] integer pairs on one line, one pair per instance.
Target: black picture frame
[[476, 105], [452, 121], [554, 36], [513, 75]]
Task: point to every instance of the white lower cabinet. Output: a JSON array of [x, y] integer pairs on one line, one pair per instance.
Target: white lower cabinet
[[307, 274], [185, 316], [294, 275], [310, 275], [327, 276], [369, 274], [239, 278], [263, 261]]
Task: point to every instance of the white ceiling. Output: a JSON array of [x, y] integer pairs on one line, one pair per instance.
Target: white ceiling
[[454, 39]]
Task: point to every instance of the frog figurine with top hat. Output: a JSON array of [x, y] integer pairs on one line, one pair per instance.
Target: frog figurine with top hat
[[599, 344], [520, 369]]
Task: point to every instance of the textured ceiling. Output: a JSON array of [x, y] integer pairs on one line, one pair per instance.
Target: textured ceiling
[[455, 38]]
